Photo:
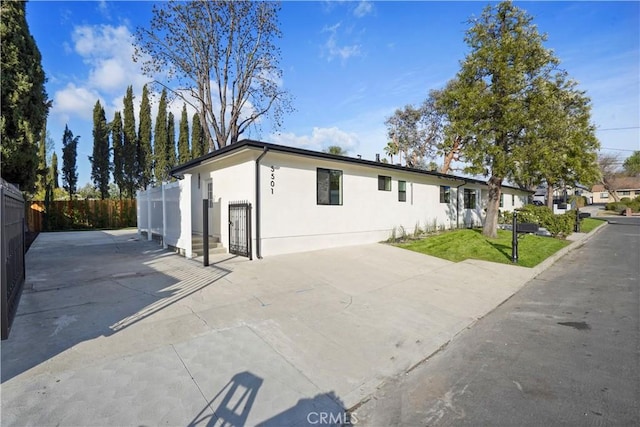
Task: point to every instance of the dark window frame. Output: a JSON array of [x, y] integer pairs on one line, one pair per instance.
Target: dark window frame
[[402, 191], [445, 194], [385, 181], [502, 200], [329, 173], [468, 192]]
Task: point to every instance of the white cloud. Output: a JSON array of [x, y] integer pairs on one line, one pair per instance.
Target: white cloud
[[107, 51], [74, 101], [332, 49], [319, 139], [364, 8]]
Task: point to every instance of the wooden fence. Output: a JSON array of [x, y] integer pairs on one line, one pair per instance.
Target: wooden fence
[[81, 215]]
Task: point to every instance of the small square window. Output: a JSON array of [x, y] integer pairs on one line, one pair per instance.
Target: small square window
[[445, 194], [604, 195], [384, 183], [402, 191]]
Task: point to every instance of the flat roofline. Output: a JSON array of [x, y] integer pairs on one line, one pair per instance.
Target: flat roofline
[[259, 145]]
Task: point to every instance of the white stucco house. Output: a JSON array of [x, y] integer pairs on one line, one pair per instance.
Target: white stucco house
[[266, 199]]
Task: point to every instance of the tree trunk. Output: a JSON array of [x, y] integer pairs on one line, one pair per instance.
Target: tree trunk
[[448, 157], [490, 228], [550, 196]]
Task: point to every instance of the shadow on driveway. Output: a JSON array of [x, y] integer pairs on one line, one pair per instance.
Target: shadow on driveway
[[84, 285]]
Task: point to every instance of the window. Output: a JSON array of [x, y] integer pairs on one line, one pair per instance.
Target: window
[[604, 195], [329, 187], [402, 191], [637, 191], [469, 198], [626, 193], [445, 194], [513, 200], [384, 183], [501, 200]]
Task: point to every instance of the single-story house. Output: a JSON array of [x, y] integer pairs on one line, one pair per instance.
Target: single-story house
[[266, 199], [626, 186]]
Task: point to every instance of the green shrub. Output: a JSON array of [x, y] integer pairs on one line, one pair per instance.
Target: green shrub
[[557, 225]]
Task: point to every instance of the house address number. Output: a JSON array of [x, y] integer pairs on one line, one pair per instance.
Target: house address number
[[273, 178]]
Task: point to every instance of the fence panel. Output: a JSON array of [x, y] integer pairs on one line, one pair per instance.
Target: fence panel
[[12, 248], [173, 215], [155, 205]]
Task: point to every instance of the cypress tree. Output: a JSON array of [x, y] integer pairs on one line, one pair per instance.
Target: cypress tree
[[43, 170], [171, 141], [53, 171], [183, 139], [197, 138], [129, 145], [24, 105], [145, 153], [117, 140], [160, 140], [69, 167], [100, 159]]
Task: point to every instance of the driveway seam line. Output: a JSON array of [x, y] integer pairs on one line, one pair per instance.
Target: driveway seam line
[[193, 379]]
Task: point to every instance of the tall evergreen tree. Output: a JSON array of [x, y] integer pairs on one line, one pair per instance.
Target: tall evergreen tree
[[100, 159], [197, 138], [129, 145], [160, 140], [53, 171], [23, 99], [117, 140], [69, 168], [171, 141], [184, 154], [145, 153], [43, 170]]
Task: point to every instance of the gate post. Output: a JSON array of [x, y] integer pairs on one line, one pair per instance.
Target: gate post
[[249, 249], [514, 238], [205, 232]]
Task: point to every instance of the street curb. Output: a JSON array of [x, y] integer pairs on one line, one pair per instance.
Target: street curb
[[544, 265]]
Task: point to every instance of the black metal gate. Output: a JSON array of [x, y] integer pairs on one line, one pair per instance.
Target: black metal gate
[[240, 228], [12, 247]]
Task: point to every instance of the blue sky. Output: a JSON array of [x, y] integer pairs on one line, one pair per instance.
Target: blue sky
[[347, 64]]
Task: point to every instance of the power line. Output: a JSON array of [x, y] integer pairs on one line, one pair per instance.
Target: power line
[[617, 149], [625, 128]]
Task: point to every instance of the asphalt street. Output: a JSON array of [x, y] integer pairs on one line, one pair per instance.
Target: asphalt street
[[565, 350]]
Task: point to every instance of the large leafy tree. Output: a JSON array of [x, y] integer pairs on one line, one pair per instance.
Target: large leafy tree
[[130, 145], [335, 149], [23, 99], [117, 141], [69, 167], [490, 104], [100, 166], [561, 146], [221, 58], [197, 138], [145, 153], [43, 170], [631, 164], [184, 155], [160, 141]]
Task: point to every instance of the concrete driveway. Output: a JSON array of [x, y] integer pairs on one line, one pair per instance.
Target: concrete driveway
[[113, 330]]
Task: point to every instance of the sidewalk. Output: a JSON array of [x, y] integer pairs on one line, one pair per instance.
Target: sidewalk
[[116, 331]]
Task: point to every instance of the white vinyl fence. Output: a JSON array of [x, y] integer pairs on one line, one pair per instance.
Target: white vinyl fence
[[164, 213]]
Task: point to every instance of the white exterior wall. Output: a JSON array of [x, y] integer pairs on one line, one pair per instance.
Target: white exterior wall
[[292, 221]]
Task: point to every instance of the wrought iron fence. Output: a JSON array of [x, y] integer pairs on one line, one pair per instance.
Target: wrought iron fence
[[240, 228], [12, 249]]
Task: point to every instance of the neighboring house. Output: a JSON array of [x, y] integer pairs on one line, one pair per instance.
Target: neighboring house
[[305, 200], [625, 186]]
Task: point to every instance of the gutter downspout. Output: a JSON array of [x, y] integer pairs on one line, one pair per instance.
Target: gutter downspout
[[258, 239], [458, 204]]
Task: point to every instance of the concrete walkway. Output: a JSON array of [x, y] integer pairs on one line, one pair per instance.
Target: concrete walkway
[[112, 330]]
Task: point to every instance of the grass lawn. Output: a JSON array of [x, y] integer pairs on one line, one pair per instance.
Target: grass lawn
[[459, 245], [588, 224]]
